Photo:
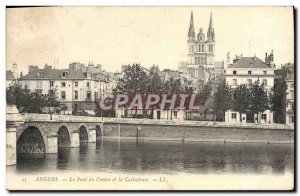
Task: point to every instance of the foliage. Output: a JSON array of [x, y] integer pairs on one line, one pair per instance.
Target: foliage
[[277, 97], [241, 99], [222, 99], [29, 101], [259, 98]]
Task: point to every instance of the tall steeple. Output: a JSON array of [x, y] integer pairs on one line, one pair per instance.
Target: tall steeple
[[191, 34], [211, 31]]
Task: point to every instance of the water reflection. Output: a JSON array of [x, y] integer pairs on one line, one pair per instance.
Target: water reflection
[[165, 157]]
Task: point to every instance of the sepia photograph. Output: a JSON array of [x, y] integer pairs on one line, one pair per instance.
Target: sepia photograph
[[150, 98]]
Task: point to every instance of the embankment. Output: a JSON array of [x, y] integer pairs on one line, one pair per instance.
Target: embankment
[[196, 131]]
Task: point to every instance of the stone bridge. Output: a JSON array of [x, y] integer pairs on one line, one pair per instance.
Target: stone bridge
[[42, 133]]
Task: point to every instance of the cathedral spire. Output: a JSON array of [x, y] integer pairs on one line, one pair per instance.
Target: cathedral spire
[[191, 33], [210, 31], [210, 21]]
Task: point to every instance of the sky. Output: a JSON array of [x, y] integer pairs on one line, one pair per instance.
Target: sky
[[112, 36]]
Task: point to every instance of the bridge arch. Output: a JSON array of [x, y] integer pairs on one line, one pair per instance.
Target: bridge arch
[[31, 141], [63, 137], [83, 134]]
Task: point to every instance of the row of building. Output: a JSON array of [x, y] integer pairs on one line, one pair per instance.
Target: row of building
[[77, 87]]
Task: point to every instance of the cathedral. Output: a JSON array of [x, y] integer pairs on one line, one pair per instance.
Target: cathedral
[[201, 52]]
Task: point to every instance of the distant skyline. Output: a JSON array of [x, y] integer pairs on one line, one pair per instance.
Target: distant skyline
[[112, 36]]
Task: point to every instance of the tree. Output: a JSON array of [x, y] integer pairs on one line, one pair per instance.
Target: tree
[[277, 100], [29, 101], [222, 99], [204, 96], [258, 99], [241, 99], [134, 81]]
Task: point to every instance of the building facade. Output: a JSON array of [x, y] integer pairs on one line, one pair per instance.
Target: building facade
[[201, 52], [247, 70], [78, 88]]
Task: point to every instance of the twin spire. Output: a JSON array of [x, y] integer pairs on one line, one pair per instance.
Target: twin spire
[[191, 33], [210, 31]]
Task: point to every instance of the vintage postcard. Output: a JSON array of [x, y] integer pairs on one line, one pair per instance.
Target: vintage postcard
[[150, 98]]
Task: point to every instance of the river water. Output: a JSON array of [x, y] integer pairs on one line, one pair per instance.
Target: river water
[[164, 157]]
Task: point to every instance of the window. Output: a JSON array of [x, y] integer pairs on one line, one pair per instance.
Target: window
[[264, 116], [38, 84], [76, 84], [292, 85], [234, 82], [76, 94], [292, 94], [175, 114], [51, 92], [265, 72], [95, 95], [51, 83], [249, 81], [291, 119], [233, 115], [64, 74], [265, 82], [88, 84], [63, 84], [63, 94], [88, 94], [234, 72], [210, 48], [249, 72]]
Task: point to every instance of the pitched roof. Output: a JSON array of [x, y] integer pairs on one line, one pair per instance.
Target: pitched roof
[[9, 75], [249, 62], [54, 74]]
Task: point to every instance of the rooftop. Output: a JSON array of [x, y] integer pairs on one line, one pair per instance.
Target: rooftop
[[9, 75], [249, 62]]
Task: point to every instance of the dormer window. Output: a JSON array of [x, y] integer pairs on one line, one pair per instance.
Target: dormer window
[[64, 74], [38, 74]]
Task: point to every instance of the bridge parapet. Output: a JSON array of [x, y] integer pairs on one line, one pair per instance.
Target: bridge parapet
[[31, 117]]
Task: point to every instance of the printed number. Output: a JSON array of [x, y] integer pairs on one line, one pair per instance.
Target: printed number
[[24, 179]]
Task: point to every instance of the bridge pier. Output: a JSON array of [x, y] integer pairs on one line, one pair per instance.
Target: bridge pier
[[11, 145], [13, 120], [92, 135], [52, 146], [75, 141]]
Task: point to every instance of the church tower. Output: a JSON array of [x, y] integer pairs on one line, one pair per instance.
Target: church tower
[[200, 52], [210, 42], [191, 40]]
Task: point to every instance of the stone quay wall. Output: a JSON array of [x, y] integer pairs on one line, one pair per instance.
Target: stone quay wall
[[197, 132]]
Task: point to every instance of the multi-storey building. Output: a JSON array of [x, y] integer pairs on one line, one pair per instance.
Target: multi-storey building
[[287, 74], [247, 70], [78, 88], [290, 97]]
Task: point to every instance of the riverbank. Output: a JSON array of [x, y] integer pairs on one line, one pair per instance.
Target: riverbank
[[196, 131]]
